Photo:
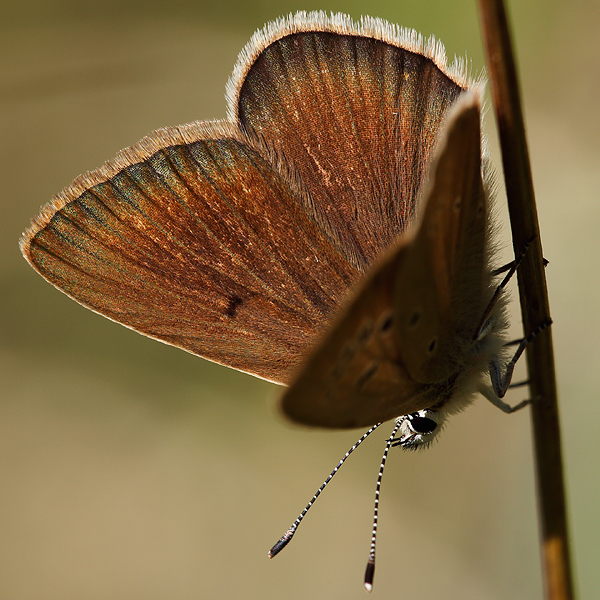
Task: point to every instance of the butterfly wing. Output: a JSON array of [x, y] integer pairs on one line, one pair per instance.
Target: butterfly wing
[[357, 111], [355, 377], [374, 363], [180, 238], [239, 242]]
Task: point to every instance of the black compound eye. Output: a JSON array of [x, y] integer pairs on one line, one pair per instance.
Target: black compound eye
[[423, 425]]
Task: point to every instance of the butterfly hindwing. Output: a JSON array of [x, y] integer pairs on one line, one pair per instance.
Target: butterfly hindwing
[[357, 112]]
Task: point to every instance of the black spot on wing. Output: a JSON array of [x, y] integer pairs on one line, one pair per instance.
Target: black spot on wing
[[233, 303]]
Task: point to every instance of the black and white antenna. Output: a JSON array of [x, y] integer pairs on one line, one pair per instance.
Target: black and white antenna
[[416, 431], [370, 570], [287, 536]]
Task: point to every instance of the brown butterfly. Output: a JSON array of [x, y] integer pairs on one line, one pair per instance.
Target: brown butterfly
[[333, 233]]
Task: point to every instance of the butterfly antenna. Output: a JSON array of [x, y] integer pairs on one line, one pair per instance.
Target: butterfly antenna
[[287, 536], [370, 571]]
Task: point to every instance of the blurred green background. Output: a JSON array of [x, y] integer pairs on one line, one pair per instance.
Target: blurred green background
[[131, 470]]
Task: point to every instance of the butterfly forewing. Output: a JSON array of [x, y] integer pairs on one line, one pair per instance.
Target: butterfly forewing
[[355, 377], [185, 245]]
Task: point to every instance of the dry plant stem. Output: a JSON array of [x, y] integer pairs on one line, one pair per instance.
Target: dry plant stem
[[534, 301]]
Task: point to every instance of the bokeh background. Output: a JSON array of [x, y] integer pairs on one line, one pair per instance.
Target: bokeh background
[[132, 470]]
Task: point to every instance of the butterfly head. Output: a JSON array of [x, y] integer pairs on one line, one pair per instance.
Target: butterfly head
[[418, 429]]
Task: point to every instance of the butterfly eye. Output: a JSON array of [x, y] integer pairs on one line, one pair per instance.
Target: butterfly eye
[[423, 425]]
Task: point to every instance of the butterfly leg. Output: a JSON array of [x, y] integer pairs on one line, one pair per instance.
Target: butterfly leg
[[509, 265], [486, 323], [518, 384], [524, 382], [490, 395], [501, 380]]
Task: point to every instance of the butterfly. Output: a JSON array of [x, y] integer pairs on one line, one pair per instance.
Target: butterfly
[[333, 234]]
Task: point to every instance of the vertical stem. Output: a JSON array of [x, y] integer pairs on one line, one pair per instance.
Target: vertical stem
[[534, 301]]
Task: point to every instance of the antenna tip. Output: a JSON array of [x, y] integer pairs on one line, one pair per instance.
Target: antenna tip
[[369, 574], [282, 543]]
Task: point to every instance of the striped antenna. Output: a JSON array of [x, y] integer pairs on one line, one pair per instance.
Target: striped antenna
[[286, 538], [370, 571]]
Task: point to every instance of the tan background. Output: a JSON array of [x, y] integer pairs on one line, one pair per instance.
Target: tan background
[[131, 470]]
